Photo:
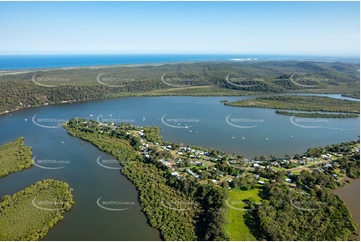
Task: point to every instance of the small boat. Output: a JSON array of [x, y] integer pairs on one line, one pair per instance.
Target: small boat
[[266, 138], [62, 142], [91, 115], [341, 130], [197, 132], [111, 115], [190, 131], [232, 137], [243, 137], [143, 118], [291, 136], [26, 119]]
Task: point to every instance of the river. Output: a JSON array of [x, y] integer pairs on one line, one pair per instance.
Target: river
[[350, 194], [202, 121]]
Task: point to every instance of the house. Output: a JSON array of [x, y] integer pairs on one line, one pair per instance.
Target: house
[[261, 182], [256, 176], [255, 165], [288, 180], [174, 174]]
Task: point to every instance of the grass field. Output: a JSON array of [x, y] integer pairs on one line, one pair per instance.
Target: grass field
[[235, 226]]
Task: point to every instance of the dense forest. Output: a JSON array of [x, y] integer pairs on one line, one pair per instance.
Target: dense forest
[[30, 213], [43, 87], [287, 215], [196, 210], [14, 156], [302, 103]]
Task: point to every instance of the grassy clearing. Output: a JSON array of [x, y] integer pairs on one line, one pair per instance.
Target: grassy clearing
[[236, 228]]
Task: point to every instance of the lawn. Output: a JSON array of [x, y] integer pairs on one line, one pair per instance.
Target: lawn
[[235, 225]]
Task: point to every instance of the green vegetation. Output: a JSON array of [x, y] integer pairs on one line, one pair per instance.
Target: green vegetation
[[236, 228], [303, 103], [30, 213], [196, 210], [349, 159], [352, 95], [18, 90], [287, 214], [14, 156], [317, 115]]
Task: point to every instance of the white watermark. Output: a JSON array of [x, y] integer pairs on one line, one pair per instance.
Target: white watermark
[[105, 205], [231, 80], [298, 122], [236, 121], [44, 164], [179, 123], [101, 119], [44, 205], [168, 81], [38, 122], [103, 80], [179, 205], [49, 79]]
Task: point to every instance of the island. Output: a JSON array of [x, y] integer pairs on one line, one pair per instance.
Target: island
[[14, 157], [302, 103], [30, 213]]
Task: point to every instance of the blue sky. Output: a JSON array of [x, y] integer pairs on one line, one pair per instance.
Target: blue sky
[[307, 28]]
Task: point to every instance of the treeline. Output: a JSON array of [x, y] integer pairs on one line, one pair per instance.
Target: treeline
[[318, 115], [303, 103], [14, 157], [30, 213], [205, 79], [197, 211]]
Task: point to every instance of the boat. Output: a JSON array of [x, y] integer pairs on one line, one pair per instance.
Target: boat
[[232, 137], [266, 138], [190, 131], [26, 119], [91, 115], [62, 142], [243, 137], [143, 118], [291, 136]]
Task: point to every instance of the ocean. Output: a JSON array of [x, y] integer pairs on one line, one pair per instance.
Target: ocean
[[20, 62]]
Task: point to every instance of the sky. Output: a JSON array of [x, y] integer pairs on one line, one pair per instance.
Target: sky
[[298, 28]]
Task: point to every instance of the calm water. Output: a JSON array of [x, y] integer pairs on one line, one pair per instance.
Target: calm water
[[350, 194], [204, 116], [12, 62]]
